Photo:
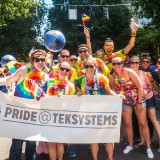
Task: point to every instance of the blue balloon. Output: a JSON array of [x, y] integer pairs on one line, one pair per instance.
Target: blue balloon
[[54, 40], [6, 59]]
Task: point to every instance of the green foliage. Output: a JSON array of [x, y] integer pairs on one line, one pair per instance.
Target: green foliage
[[100, 27], [149, 9], [19, 33]]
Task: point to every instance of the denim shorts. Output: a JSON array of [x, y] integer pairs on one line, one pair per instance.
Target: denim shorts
[[131, 106], [151, 103]]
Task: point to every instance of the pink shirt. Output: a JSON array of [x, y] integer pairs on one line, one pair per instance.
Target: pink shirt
[[144, 85]]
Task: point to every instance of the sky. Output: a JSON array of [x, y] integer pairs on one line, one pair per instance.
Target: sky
[[48, 1]]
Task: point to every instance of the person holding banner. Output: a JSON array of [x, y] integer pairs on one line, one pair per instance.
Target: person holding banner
[[94, 83], [59, 85], [28, 79], [126, 83]]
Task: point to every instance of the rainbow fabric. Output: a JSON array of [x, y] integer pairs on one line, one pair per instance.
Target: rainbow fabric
[[103, 84], [85, 18], [31, 86], [56, 87]]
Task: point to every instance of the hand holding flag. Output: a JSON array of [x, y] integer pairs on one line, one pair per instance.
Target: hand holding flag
[[85, 18]]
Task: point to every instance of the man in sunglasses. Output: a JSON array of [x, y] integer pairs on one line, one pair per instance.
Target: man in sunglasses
[[83, 51], [26, 78], [64, 56]]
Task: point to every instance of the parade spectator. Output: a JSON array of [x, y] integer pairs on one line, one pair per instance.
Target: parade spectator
[[100, 54], [126, 82], [59, 85], [25, 77], [94, 83]]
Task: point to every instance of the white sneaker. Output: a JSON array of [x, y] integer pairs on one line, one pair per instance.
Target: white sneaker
[[127, 149], [150, 153]]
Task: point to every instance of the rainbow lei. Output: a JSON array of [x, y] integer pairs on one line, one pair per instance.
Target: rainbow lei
[[57, 87], [119, 86]]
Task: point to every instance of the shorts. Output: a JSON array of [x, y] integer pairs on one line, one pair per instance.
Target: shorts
[[151, 103], [132, 106]]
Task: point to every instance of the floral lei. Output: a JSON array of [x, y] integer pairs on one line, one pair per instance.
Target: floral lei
[[61, 88], [119, 86], [91, 88]]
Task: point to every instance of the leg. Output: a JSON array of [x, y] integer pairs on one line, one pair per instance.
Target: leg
[[152, 116], [52, 150], [16, 149], [142, 120], [109, 148], [94, 150], [30, 150], [60, 150], [127, 117]]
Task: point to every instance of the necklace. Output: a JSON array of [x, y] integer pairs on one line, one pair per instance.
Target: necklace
[[92, 87], [119, 85]]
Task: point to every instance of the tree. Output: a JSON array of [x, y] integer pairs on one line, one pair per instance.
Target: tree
[[149, 9], [100, 27], [13, 9], [20, 33]]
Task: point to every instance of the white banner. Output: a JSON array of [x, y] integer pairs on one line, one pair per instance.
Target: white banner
[[67, 119]]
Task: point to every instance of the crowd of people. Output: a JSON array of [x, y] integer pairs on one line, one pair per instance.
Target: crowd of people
[[106, 73]]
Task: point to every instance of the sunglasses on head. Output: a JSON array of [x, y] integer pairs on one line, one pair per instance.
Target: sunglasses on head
[[134, 62], [65, 56], [118, 63], [39, 59], [82, 51], [146, 62], [73, 59], [64, 69], [88, 66]]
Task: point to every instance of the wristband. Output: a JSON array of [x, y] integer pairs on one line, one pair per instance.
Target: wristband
[[139, 102], [87, 37], [133, 34]]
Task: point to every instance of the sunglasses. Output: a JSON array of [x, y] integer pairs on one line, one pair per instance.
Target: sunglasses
[[39, 59], [134, 62], [73, 59], [100, 55], [64, 69], [65, 56], [89, 66], [82, 51], [146, 62], [109, 47], [118, 63]]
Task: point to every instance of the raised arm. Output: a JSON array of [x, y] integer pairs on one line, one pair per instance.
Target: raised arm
[[134, 28], [88, 41], [13, 78]]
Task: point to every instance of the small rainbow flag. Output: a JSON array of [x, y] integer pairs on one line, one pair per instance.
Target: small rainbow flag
[[85, 18], [37, 91]]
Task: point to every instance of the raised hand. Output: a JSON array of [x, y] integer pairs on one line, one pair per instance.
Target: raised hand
[[133, 26]]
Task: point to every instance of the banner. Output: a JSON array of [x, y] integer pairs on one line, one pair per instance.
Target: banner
[[67, 119]]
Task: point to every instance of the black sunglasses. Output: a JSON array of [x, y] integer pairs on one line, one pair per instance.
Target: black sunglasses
[[89, 66], [65, 56], [146, 62], [118, 63], [134, 62], [81, 51], [64, 69], [39, 59], [73, 59]]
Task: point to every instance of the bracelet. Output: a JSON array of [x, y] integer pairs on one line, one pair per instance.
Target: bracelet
[[139, 103], [87, 37], [133, 34]]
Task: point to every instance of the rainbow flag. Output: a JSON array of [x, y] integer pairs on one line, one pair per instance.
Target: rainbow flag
[[37, 91], [85, 18]]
